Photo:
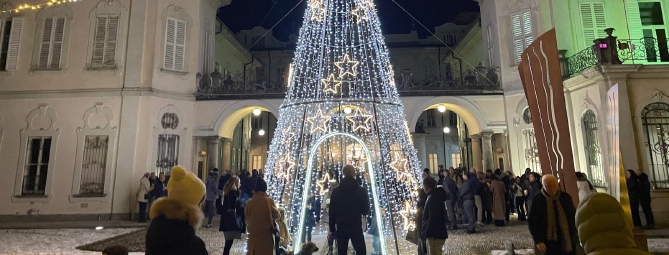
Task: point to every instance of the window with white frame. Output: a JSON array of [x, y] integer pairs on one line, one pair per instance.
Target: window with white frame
[[168, 152], [593, 21], [36, 166], [51, 46], [175, 44], [105, 41], [10, 38], [455, 159], [257, 162], [431, 118], [521, 28], [94, 165], [256, 122], [434, 162]]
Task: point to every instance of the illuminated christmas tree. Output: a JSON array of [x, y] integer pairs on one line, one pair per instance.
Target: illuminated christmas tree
[[342, 107]]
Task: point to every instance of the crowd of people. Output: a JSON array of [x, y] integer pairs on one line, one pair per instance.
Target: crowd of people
[[458, 197]]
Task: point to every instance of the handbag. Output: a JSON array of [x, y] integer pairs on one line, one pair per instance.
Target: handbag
[[412, 236], [231, 221]]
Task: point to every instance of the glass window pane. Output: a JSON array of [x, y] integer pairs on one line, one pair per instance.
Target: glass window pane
[[651, 13], [42, 178], [46, 150], [33, 150]]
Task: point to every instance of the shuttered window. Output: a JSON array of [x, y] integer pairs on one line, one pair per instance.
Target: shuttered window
[[106, 36], [521, 26], [175, 44], [593, 21], [51, 48], [10, 38]]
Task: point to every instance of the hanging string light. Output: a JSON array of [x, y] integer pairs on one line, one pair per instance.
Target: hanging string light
[[27, 7]]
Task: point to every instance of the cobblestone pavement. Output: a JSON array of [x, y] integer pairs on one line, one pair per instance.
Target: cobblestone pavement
[[489, 240]]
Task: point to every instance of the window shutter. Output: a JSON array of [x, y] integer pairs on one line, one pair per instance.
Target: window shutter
[[634, 20], [13, 44], [593, 21], [46, 44], [58, 37], [169, 43], [112, 36], [180, 45], [517, 31], [99, 45]]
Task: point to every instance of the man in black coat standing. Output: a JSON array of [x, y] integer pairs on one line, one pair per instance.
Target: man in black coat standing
[[552, 222], [434, 217], [348, 203], [451, 190]]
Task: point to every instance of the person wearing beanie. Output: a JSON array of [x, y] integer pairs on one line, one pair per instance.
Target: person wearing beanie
[[176, 217], [261, 214]]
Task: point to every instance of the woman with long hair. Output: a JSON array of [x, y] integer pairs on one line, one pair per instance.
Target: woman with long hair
[[230, 228]]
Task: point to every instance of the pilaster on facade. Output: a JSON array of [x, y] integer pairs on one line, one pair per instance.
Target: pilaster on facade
[[487, 150], [213, 153], [477, 156], [225, 161], [419, 144]]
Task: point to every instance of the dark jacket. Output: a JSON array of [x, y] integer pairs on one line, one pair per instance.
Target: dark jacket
[[171, 231], [467, 190], [434, 216], [230, 203], [212, 187], [633, 188], [535, 189], [314, 214], [644, 186], [451, 189], [158, 189], [538, 222], [420, 206], [348, 203]]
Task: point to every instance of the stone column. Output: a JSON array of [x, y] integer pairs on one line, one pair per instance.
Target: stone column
[[476, 152], [488, 155], [212, 153], [419, 143], [225, 158], [507, 155]]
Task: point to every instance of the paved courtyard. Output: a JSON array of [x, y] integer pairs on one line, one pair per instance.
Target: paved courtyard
[[489, 240]]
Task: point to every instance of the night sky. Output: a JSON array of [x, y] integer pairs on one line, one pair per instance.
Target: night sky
[[246, 14]]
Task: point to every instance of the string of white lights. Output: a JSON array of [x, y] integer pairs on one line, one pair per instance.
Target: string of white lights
[[342, 107], [27, 7]]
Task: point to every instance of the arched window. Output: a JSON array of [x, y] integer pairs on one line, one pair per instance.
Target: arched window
[[592, 149], [655, 121]]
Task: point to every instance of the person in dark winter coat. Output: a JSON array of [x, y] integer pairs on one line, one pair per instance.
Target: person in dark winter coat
[[349, 202], [535, 189], [434, 217], [644, 199], [467, 200], [552, 222], [176, 217], [420, 207], [451, 190], [230, 196], [225, 176], [633, 192], [212, 193], [313, 215], [498, 200]]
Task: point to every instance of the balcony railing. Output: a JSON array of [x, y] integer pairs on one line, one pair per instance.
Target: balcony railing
[[478, 81], [611, 50]]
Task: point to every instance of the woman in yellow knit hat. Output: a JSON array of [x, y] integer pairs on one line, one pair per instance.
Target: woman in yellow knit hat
[[176, 217]]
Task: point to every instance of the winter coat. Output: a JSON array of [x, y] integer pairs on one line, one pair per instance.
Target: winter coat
[[434, 216], [535, 189], [584, 191], [212, 187], [259, 226], [633, 188], [451, 189], [230, 203], [467, 191], [644, 186], [538, 219], [498, 199], [144, 188], [172, 229], [159, 189], [349, 202], [314, 213], [602, 227], [420, 206]]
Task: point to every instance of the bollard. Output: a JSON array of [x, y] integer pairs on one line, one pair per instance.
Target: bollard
[[510, 250]]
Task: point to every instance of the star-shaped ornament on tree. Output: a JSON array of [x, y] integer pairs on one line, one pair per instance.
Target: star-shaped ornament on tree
[[357, 125], [319, 122], [331, 85], [407, 212], [287, 135], [347, 67], [317, 10], [359, 13], [321, 183], [285, 166]]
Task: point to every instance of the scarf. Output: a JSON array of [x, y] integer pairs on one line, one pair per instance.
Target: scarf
[[553, 202]]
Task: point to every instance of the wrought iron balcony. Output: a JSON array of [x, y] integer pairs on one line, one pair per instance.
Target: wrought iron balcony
[[611, 50], [478, 81]]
